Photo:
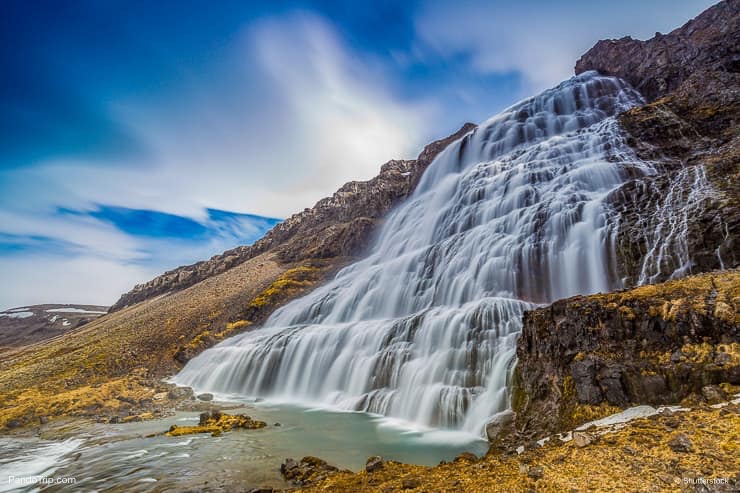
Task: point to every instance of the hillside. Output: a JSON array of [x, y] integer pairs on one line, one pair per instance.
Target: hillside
[[31, 324], [179, 314]]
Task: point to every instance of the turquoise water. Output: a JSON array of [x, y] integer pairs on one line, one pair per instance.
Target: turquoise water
[[120, 457]]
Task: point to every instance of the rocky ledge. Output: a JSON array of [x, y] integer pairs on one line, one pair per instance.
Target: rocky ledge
[[691, 450], [585, 357]]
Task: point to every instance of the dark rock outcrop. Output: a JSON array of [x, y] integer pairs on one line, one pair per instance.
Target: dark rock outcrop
[[662, 64], [337, 226], [587, 356]]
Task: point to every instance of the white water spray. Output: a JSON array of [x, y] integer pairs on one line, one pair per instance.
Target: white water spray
[[667, 229], [424, 329]]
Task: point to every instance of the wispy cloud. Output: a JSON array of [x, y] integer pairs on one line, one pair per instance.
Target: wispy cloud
[[268, 129], [95, 255]]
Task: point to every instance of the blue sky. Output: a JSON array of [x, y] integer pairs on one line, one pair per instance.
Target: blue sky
[[137, 136]]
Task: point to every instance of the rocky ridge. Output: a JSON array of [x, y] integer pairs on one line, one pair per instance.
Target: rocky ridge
[[662, 64], [337, 226]]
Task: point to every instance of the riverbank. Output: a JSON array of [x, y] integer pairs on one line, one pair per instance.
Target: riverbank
[[668, 451]]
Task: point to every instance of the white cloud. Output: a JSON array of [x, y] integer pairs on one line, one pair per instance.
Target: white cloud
[[52, 279], [541, 40], [283, 118], [286, 118]]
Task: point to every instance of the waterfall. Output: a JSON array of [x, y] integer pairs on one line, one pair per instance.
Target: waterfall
[[667, 229], [424, 329]]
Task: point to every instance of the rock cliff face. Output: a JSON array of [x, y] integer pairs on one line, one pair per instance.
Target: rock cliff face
[[690, 204], [662, 64], [337, 226], [585, 357]]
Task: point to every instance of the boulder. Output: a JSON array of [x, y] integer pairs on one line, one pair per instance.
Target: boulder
[[501, 424]]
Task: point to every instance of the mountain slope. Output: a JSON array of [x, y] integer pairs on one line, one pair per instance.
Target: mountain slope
[[29, 324], [180, 313], [684, 217]]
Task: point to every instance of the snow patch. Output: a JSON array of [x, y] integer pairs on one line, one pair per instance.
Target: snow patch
[[74, 310], [17, 314]]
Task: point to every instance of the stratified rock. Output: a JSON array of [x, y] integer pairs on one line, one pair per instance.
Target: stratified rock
[[582, 358], [179, 393], [499, 425], [306, 471]]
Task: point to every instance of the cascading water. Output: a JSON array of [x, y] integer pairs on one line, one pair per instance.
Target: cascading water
[[667, 229], [424, 329]]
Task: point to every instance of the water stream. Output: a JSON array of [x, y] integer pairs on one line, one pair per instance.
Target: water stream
[[122, 458]]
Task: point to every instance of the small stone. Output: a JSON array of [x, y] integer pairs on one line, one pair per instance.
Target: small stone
[[536, 472], [581, 439], [13, 423], [205, 397], [178, 393], [672, 423], [676, 356], [277, 424], [629, 450], [43, 420], [410, 483], [374, 463], [680, 443], [713, 394], [467, 456]]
